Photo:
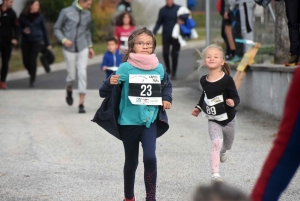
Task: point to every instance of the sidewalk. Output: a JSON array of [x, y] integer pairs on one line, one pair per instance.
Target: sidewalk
[[96, 60]]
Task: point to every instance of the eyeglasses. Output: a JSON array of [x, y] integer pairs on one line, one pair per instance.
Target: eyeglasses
[[141, 44]]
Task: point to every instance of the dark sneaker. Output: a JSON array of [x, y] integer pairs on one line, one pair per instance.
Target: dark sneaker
[[81, 109], [293, 60], [133, 199], [69, 97]]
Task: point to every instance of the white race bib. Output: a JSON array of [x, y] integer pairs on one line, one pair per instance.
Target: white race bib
[[214, 108], [124, 42], [145, 90]]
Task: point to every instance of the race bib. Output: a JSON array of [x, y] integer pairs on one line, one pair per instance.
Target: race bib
[[124, 42], [145, 90], [214, 108]]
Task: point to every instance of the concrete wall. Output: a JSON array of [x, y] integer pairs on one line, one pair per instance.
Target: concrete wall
[[265, 87]]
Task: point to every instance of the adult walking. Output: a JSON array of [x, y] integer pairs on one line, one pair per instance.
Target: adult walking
[[34, 32], [73, 29], [293, 15], [8, 36], [168, 18]]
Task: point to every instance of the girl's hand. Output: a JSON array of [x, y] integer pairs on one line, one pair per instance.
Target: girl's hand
[[230, 102], [91, 53], [114, 79], [166, 105], [104, 68], [195, 112]]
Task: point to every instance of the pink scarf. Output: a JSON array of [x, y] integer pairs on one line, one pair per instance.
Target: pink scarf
[[144, 62]]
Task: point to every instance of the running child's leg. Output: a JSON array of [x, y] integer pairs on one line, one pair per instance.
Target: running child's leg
[[130, 137], [215, 134], [228, 135], [148, 139]]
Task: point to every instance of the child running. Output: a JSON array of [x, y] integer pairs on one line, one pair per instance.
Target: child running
[[112, 57], [142, 93], [218, 101], [125, 26]]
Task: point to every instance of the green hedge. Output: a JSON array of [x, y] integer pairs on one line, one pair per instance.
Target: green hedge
[[52, 8]]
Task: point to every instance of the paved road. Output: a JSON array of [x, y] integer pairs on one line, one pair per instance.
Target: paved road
[[49, 152], [56, 80]]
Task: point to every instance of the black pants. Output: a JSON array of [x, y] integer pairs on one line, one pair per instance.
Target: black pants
[[30, 52], [167, 42], [5, 49], [293, 15], [131, 136], [224, 36], [237, 31]]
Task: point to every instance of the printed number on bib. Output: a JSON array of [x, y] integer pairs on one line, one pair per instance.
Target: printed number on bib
[[214, 108], [145, 90]]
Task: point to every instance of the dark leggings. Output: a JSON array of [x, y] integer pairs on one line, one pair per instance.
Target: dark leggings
[[293, 16], [30, 52], [167, 42], [131, 136], [5, 49]]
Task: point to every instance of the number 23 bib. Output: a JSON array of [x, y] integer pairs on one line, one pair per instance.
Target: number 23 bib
[[145, 90], [214, 109]]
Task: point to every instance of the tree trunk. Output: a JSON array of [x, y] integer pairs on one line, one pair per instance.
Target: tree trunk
[[282, 41]]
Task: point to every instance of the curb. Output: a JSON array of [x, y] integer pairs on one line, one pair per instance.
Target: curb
[[96, 60]]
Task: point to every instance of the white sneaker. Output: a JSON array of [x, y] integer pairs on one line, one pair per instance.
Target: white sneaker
[[215, 177], [223, 156]]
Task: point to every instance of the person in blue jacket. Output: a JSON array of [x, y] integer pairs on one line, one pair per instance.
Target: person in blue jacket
[[142, 92], [112, 57]]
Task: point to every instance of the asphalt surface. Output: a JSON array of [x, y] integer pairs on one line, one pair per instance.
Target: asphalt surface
[[50, 152]]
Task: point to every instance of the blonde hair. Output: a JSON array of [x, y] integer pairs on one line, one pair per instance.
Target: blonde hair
[[131, 41], [225, 67]]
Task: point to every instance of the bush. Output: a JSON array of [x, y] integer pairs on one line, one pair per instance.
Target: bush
[[51, 8], [102, 17]]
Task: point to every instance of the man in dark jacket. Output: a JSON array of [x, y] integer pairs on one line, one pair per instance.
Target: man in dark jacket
[[8, 36], [167, 17]]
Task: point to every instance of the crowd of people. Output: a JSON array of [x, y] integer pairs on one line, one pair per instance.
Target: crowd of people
[[138, 88]]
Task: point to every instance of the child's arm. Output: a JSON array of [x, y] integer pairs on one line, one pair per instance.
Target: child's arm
[[234, 98], [103, 66], [106, 87], [196, 111], [166, 91]]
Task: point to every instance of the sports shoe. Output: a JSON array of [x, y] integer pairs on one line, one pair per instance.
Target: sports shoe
[[223, 157], [215, 177], [235, 59], [81, 109], [133, 199], [293, 60], [3, 85], [69, 97]]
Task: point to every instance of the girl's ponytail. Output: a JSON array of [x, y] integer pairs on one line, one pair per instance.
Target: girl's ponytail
[[226, 68]]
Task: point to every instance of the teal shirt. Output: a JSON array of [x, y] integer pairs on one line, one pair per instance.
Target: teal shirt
[[136, 114]]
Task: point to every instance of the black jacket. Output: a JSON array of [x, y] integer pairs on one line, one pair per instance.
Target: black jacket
[[38, 32], [167, 17], [108, 113], [8, 26]]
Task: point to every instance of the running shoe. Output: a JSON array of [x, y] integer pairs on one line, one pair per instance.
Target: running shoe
[[215, 177], [293, 60], [235, 59], [3, 85], [81, 109], [69, 97], [223, 157], [133, 199]]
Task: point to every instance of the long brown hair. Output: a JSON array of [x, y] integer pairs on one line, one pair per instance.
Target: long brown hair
[[131, 41], [225, 67], [26, 9], [119, 20]]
